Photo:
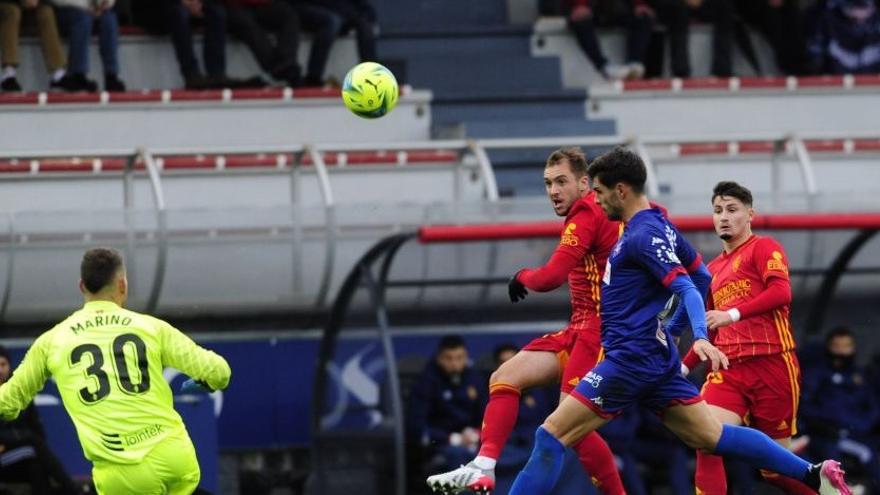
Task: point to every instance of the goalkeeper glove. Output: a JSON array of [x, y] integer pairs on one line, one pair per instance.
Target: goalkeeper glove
[[193, 386], [515, 289]]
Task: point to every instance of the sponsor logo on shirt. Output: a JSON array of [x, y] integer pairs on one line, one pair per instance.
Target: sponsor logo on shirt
[[776, 263], [731, 291], [568, 236], [598, 401]]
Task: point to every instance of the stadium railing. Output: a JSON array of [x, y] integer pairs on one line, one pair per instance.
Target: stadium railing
[[372, 270], [325, 175]]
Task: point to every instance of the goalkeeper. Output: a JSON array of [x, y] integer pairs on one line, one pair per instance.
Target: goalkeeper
[[108, 362]]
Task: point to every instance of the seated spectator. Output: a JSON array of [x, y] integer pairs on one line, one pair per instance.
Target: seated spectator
[[12, 12], [639, 17], [24, 454], [77, 18], [777, 20], [844, 38], [838, 407], [327, 19], [176, 17], [253, 20], [446, 405]]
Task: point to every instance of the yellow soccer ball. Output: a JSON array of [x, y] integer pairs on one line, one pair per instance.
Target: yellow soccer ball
[[370, 90]]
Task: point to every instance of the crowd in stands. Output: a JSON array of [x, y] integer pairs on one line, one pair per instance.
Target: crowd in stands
[[839, 417], [271, 29], [807, 37]]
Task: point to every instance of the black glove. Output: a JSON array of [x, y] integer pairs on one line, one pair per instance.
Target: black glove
[[515, 289]]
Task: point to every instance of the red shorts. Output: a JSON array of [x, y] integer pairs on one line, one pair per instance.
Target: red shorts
[[764, 391], [578, 352]]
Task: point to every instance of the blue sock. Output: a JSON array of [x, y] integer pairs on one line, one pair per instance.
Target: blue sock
[[757, 449], [541, 473]]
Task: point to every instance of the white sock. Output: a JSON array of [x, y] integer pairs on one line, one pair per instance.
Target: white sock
[[8, 71], [484, 462], [58, 74]]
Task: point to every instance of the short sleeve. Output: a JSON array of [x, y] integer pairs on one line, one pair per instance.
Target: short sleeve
[[689, 257], [769, 259], [656, 251]]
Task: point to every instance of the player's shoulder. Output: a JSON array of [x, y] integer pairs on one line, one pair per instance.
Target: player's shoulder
[[766, 244], [586, 207]]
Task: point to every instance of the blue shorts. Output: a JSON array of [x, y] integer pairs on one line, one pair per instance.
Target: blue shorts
[[609, 388]]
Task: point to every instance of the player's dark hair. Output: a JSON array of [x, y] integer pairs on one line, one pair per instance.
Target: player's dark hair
[[838, 332], [619, 165], [575, 157], [450, 342], [98, 267], [731, 189], [501, 349]]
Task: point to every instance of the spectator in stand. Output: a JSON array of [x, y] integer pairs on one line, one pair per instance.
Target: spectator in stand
[[77, 18], [24, 454], [446, 405], [11, 16], [327, 19], [252, 20], [844, 38], [839, 408], [639, 18], [176, 17], [777, 20]]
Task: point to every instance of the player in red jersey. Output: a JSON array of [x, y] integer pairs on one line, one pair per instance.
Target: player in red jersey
[[748, 318], [565, 356]]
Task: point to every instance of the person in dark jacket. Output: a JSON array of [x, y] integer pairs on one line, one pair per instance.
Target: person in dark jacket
[[446, 406], [252, 21], [844, 38], [838, 406], [24, 453]]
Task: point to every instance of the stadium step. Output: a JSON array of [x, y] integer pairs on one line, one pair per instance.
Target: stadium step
[[409, 14], [552, 105], [462, 75], [514, 42], [538, 127]]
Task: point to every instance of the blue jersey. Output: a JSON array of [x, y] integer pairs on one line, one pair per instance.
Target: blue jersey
[[646, 259]]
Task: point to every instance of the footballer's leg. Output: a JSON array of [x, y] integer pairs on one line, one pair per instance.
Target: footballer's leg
[[603, 393], [723, 392], [528, 368], [592, 450], [695, 425]]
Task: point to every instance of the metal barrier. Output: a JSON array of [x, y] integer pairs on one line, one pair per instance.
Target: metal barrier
[[798, 147], [371, 273]]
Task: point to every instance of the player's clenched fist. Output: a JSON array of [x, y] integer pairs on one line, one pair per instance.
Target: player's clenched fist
[[708, 352], [515, 289]]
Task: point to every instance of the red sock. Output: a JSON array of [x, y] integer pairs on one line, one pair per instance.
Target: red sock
[[598, 461], [790, 486], [499, 419], [711, 479]]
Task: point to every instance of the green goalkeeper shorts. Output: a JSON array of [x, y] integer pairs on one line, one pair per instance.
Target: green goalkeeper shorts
[[170, 468]]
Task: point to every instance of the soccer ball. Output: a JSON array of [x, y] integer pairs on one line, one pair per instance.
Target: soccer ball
[[369, 90]]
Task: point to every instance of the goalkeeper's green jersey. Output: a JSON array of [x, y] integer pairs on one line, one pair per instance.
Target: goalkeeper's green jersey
[[108, 363]]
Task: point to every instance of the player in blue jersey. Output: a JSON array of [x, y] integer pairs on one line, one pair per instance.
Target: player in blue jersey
[[642, 365]]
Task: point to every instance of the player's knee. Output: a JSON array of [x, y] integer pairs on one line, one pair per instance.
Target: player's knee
[[506, 375]]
